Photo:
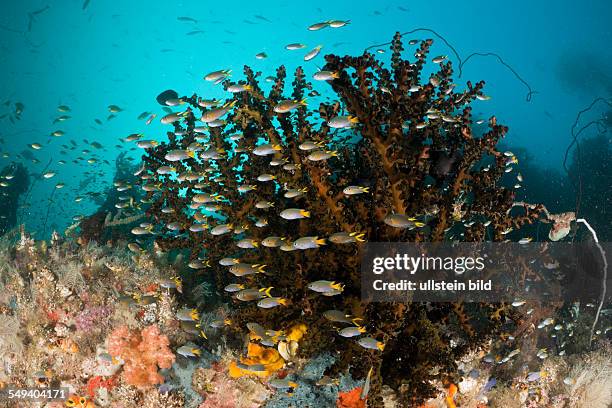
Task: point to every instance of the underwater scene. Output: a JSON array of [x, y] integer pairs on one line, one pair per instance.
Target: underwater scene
[[235, 205]]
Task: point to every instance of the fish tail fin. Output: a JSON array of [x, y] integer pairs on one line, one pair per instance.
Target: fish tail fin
[[261, 268], [196, 351], [380, 345], [334, 153], [335, 75], [304, 102], [202, 334], [283, 301], [305, 213], [353, 119], [366, 189], [356, 320], [267, 291], [292, 384], [419, 224], [359, 237], [337, 286]]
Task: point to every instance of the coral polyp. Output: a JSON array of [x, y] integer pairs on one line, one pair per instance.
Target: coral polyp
[[275, 193]]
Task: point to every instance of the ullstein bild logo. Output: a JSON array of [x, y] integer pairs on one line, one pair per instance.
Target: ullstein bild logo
[[480, 272]]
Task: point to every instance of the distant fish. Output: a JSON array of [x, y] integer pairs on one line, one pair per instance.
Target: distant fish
[[195, 32], [189, 19], [318, 26], [295, 46], [313, 53], [263, 18]]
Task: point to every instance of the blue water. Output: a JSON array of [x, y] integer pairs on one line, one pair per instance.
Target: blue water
[[126, 52]]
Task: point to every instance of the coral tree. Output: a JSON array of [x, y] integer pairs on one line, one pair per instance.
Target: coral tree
[[143, 353], [414, 148]]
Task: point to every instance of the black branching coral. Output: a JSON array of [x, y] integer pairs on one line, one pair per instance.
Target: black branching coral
[[393, 159]]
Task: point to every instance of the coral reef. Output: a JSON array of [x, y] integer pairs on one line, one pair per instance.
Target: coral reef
[[404, 139], [219, 390], [71, 316], [110, 221], [118, 350], [14, 181]]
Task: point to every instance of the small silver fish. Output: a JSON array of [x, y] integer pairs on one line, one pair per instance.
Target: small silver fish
[[272, 242], [313, 53], [324, 286], [233, 287], [342, 122], [271, 302], [294, 214], [178, 155], [308, 242], [189, 350], [352, 331], [352, 190], [402, 221], [294, 46], [243, 269], [371, 343], [188, 315]]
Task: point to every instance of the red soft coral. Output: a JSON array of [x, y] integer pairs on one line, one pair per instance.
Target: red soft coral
[[350, 399], [99, 382], [143, 353]]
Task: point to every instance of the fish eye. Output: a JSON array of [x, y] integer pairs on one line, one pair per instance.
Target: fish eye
[[70, 402], [82, 400]]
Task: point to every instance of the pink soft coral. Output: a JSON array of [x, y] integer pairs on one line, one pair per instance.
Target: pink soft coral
[[143, 353]]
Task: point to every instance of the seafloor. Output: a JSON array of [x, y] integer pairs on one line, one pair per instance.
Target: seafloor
[[66, 321]]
